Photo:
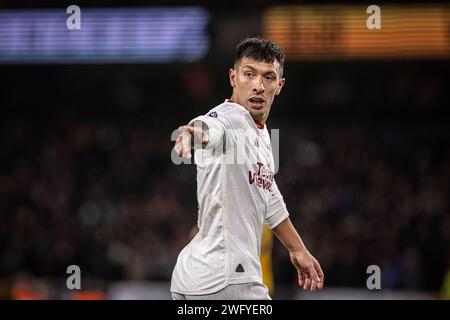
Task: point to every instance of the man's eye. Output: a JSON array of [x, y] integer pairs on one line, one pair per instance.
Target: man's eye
[[270, 78], [249, 74]]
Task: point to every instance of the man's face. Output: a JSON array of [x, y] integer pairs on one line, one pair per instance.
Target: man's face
[[255, 85]]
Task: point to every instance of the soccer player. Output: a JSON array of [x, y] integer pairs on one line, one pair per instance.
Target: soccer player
[[236, 198]]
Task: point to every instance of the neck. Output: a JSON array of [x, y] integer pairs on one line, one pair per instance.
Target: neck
[[259, 122]]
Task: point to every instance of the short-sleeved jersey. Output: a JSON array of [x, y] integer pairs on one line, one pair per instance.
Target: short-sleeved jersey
[[237, 195]]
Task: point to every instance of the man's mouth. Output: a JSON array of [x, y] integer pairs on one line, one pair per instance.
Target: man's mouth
[[257, 102]]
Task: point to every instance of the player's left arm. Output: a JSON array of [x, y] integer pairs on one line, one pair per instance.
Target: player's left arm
[[310, 274]]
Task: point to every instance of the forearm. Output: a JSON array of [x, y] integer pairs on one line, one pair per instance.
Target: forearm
[[288, 236]]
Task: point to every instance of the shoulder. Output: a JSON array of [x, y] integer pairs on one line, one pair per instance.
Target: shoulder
[[230, 112], [228, 109]]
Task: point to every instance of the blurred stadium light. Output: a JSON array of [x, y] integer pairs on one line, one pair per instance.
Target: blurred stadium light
[[340, 31], [141, 34]]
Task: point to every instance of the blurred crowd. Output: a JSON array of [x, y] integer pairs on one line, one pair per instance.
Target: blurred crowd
[[373, 196], [104, 195], [94, 195]]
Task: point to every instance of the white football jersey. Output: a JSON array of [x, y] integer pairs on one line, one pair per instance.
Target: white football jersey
[[235, 199]]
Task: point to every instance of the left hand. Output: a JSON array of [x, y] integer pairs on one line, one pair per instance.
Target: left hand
[[310, 274]]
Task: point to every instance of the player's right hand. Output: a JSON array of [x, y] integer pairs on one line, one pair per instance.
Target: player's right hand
[[183, 144]]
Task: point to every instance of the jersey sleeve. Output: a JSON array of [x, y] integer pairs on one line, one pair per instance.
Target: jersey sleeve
[[276, 210], [217, 125]]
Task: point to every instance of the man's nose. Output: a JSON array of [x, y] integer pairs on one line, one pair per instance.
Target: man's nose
[[259, 85]]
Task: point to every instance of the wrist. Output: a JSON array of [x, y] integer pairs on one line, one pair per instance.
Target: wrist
[[297, 248]]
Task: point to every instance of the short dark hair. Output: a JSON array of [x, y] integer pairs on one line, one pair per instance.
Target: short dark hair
[[259, 49]]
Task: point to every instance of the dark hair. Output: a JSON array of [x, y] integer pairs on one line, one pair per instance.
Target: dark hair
[[259, 49]]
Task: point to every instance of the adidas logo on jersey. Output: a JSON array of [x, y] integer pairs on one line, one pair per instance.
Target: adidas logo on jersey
[[239, 268]]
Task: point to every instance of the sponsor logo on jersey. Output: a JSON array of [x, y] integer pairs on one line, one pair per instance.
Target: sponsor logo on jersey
[[262, 177]]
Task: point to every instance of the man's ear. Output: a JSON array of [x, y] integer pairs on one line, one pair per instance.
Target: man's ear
[[232, 74], [280, 86]]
